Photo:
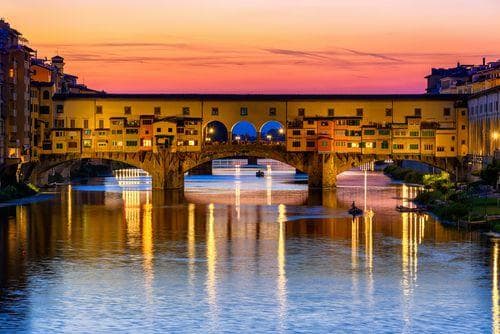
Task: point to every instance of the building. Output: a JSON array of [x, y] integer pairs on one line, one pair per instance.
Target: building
[[15, 120], [434, 125], [484, 128], [48, 79]]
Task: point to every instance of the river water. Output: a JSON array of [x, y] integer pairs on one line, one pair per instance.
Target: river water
[[237, 253]]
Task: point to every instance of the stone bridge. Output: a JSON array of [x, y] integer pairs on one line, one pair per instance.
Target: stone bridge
[[167, 169]]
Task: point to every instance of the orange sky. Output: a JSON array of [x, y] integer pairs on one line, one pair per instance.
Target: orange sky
[[250, 46]]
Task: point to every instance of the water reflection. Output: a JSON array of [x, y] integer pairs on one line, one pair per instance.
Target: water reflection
[[187, 264]]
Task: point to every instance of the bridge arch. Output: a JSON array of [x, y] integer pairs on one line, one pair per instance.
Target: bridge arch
[[215, 132], [272, 131], [244, 131]]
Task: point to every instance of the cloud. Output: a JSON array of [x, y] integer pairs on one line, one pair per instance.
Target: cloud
[[295, 53], [375, 55]]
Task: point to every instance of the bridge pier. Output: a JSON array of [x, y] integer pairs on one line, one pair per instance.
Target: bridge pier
[[322, 171], [167, 180]]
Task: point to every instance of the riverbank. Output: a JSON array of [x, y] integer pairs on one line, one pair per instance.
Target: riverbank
[[473, 204], [16, 191]]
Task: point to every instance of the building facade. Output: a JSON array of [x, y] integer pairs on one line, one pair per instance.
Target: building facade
[[481, 84], [362, 124], [14, 95]]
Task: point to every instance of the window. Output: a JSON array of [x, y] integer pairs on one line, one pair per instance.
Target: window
[[186, 111], [453, 138], [296, 132], [243, 111], [398, 146], [331, 112], [413, 146], [463, 112], [272, 111], [85, 123], [131, 143], [452, 149], [388, 112], [384, 132], [215, 111], [98, 110], [463, 142], [59, 133], [440, 148], [463, 127], [353, 122], [169, 129], [59, 146], [446, 112], [158, 129], [59, 108], [324, 143], [301, 112], [414, 134], [87, 143], [310, 122], [127, 110], [310, 144], [310, 132], [46, 95], [132, 131], [427, 133], [385, 145], [146, 143], [101, 124], [157, 111], [418, 112], [72, 123], [352, 145], [428, 147], [296, 144], [359, 112], [87, 132], [369, 132], [72, 144], [59, 123], [44, 110]]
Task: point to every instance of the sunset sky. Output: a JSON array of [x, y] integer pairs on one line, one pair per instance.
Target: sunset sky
[[258, 46]]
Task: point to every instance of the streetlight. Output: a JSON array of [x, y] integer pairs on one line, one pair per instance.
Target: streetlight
[[210, 130], [281, 131], [269, 137]]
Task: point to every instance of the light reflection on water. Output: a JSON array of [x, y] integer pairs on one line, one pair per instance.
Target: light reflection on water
[[237, 253]]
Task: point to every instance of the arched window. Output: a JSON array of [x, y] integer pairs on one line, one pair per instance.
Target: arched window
[[244, 131], [46, 95], [216, 132]]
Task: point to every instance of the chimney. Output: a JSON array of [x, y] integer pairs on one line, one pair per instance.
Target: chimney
[[484, 61]]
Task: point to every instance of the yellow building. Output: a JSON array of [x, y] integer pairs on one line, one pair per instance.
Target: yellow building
[[361, 124]]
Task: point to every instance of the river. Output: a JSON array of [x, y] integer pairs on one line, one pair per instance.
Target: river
[[236, 253]]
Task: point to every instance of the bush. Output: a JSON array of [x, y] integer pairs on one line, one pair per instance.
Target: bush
[[490, 173]]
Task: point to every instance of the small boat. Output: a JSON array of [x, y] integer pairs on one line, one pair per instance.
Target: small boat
[[401, 208], [259, 173], [355, 211]]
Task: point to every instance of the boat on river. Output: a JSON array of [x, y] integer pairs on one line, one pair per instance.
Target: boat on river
[[354, 210], [259, 173], [402, 208]]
